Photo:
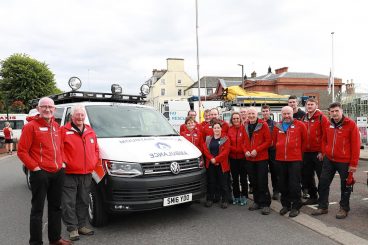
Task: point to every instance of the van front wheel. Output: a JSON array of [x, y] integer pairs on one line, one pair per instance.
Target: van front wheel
[[96, 213]]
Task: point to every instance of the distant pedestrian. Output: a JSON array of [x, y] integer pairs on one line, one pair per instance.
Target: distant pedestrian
[[289, 136], [216, 148], [39, 150], [8, 135], [80, 154], [341, 146]]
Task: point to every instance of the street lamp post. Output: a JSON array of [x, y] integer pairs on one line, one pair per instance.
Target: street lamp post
[[242, 76]]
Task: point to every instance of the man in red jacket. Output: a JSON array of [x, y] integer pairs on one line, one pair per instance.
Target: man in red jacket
[[207, 129], [80, 155], [289, 136], [341, 146], [314, 120], [39, 150]]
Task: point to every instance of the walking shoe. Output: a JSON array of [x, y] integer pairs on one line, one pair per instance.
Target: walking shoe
[[284, 210], [86, 231], [224, 205], [275, 195], [243, 201], [293, 213], [342, 214], [320, 211], [74, 235], [208, 203], [310, 201], [254, 206], [236, 201], [266, 210], [305, 194], [61, 242]]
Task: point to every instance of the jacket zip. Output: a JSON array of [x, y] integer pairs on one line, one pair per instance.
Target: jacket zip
[[287, 141], [41, 152], [333, 144], [309, 135], [84, 148], [54, 146], [236, 142]]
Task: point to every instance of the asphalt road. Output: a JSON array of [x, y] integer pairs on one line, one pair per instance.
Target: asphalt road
[[175, 225]]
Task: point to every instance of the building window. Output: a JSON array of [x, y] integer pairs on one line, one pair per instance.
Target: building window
[[180, 92], [179, 81], [162, 92], [163, 82], [209, 91], [190, 92], [313, 95]]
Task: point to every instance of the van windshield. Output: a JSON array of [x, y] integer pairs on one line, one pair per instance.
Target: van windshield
[[110, 121]]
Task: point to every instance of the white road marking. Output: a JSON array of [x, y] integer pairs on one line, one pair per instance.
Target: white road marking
[[315, 206], [332, 203], [365, 199]]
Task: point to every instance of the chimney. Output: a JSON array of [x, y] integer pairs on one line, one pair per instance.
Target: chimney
[[281, 70], [254, 74], [269, 70]]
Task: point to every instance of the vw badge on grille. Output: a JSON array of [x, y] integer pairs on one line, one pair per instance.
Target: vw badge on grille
[[175, 167]]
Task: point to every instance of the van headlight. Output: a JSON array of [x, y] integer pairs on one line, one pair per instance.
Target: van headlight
[[123, 169]]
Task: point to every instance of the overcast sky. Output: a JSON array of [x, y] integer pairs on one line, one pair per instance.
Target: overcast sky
[[104, 41]]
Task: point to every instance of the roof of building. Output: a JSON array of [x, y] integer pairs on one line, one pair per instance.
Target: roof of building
[[272, 76], [212, 81], [227, 83]]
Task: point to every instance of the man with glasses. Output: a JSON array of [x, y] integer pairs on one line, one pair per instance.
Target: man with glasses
[[39, 150]]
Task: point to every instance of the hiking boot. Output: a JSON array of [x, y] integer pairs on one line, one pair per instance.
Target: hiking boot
[[293, 213], [86, 231], [310, 201], [243, 201], [208, 203], [224, 205], [284, 210], [276, 195], [254, 206], [266, 210], [305, 194], [236, 201], [342, 214], [320, 211], [74, 235]]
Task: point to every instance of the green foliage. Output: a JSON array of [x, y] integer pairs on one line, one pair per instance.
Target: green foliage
[[25, 78]]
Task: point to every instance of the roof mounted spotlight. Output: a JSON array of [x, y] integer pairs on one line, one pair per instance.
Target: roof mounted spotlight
[[145, 89], [116, 89], [75, 83]]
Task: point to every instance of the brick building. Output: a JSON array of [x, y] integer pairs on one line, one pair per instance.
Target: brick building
[[296, 83]]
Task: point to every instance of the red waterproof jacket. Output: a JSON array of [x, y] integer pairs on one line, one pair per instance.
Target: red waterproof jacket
[[290, 145], [223, 157], [236, 137], [80, 153], [315, 126], [342, 143], [261, 140], [39, 145], [194, 137], [208, 131], [184, 127]]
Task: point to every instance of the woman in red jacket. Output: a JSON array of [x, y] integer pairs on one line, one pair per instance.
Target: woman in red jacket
[[216, 150], [237, 160], [257, 141], [192, 133]]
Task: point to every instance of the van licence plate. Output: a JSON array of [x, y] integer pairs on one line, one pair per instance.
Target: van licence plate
[[168, 201]]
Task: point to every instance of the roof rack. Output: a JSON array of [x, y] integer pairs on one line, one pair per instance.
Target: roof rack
[[80, 96]]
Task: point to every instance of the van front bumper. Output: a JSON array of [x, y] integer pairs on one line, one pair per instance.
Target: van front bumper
[[147, 193]]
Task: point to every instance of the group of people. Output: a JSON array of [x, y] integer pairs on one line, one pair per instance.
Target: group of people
[[294, 149], [60, 161]]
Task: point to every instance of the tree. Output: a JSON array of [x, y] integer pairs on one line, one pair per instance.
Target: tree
[[25, 78]]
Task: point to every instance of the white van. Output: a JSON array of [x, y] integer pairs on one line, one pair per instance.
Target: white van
[[144, 163]]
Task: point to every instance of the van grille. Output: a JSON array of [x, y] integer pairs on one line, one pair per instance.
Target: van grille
[[156, 192], [163, 168]]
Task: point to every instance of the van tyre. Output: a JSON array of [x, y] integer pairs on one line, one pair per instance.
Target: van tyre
[[96, 214]]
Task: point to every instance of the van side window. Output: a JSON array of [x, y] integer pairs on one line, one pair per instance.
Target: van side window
[[58, 115], [68, 116]]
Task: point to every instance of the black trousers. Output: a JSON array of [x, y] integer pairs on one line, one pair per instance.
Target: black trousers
[[329, 169], [311, 165], [258, 172], [273, 170], [216, 177], [289, 183], [44, 184], [239, 172]]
